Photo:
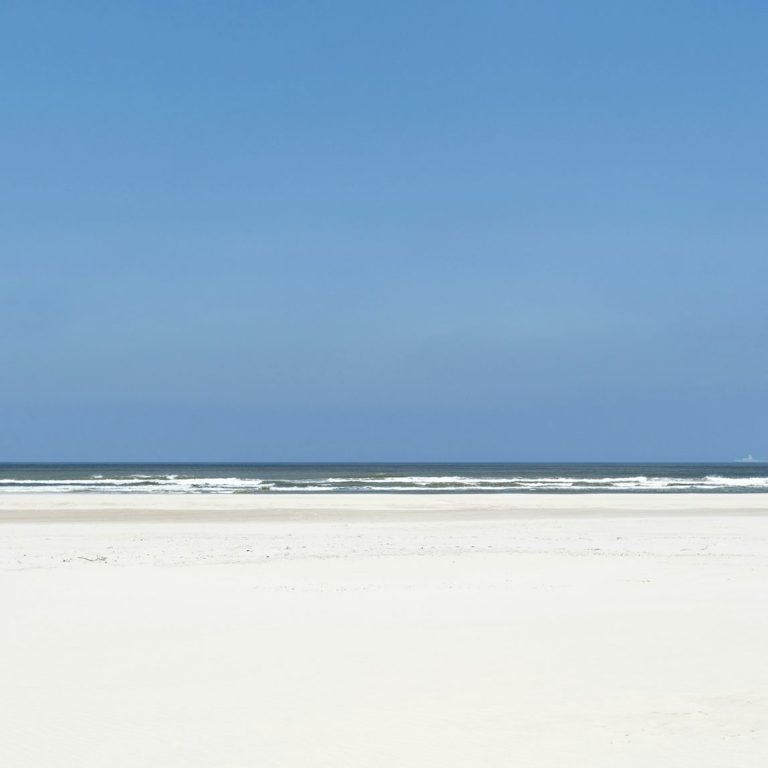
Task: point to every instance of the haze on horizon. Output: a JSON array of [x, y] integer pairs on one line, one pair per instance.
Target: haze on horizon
[[341, 231]]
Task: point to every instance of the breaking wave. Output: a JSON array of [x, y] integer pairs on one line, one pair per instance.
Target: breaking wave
[[384, 483]]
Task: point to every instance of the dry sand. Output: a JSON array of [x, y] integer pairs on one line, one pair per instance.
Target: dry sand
[[384, 631]]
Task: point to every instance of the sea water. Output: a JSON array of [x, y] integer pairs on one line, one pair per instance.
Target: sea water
[[737, 477]]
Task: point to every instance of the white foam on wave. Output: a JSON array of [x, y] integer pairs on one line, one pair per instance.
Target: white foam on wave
[[172, 483]]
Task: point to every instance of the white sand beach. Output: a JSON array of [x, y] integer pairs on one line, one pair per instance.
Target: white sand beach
[[369, 630]]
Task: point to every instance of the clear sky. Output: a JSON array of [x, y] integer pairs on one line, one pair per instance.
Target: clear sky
[[383, 230]]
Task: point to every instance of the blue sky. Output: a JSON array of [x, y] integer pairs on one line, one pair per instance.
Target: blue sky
[[401, 230]]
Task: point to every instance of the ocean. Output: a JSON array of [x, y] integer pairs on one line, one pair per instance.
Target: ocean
[[739, 477]]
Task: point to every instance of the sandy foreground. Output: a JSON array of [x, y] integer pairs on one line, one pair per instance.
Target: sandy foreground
[[399, 631]]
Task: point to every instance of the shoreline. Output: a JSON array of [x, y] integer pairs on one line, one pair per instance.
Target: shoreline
[[112, 507]]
